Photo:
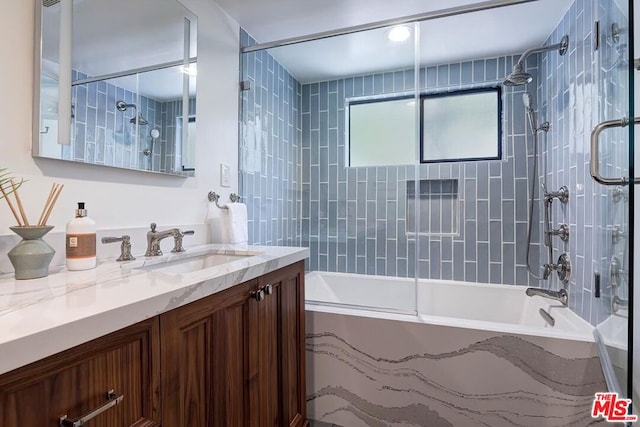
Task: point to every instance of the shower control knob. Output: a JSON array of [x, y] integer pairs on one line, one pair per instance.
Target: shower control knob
[[258, 295], [268, 290]]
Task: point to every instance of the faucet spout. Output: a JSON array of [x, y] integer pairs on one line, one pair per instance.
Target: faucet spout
[[155, 237], [560, 295]]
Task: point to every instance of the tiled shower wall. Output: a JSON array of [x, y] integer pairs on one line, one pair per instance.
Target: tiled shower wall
[[270, 157], [104, 135], [579, 90], [355, 219]]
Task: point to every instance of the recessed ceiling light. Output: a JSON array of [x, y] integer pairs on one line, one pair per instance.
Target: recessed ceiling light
[[399, 33]]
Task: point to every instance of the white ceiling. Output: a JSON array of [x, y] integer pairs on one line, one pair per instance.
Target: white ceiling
[[507, 30]]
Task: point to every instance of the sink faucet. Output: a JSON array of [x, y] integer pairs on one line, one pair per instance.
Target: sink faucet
[[560, 295], [155, 237]]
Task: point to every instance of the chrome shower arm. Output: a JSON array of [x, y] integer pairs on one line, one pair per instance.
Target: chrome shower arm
[[560, 47]]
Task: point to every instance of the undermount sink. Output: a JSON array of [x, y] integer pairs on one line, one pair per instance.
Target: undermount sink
[[186, 263]]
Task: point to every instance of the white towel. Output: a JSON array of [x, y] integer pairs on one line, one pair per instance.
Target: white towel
[[234, 224]]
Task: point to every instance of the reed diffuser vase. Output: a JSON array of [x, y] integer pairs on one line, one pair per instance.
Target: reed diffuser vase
[[32, 255]]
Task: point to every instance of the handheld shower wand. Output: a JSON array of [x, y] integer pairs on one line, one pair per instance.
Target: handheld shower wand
[[544, 127]]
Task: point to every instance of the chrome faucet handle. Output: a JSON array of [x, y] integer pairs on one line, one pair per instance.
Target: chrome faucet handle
[[177, 240], [125, 247]]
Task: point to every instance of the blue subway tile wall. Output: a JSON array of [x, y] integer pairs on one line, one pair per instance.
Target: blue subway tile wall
[[355, 219], [579, 90], [270, 155], [104, 135]]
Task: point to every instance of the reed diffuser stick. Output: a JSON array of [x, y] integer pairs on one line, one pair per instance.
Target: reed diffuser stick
[[13, 211], [25, 220], [53, 203], [54, 187]]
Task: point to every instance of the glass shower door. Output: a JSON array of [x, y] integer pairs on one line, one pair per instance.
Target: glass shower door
[[611, 169], [325, 131]]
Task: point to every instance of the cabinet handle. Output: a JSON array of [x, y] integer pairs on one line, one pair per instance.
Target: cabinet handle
[[258, 296], [113, 399], [268, 290]]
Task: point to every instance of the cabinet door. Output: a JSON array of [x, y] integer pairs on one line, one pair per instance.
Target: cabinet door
[[75, 382], [281, 348], [207, 376]]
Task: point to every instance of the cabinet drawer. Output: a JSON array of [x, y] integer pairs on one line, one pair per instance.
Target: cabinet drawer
[[75, 383]]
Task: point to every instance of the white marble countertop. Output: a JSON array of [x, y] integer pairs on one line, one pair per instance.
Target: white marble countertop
[[42, 317]]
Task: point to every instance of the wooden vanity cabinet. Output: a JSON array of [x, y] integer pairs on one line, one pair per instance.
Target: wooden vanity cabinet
[[232, 359], [281, 349], [237, 358], [75, 383]]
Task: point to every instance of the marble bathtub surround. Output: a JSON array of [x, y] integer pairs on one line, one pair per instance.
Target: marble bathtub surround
[[44, 316], [365, 372]]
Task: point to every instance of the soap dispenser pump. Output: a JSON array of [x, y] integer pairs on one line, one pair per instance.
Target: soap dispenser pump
[[81, 241]]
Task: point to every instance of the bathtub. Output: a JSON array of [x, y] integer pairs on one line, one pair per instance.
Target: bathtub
[[474, 355]]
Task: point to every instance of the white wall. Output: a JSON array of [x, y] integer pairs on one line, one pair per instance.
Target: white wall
[[118, 198]]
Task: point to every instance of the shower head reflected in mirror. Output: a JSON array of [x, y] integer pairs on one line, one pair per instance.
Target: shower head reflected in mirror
[[519, 76], [137, 119]]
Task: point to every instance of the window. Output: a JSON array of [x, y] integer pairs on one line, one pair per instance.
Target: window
[[454, 126], [463, 125], [382, 132]]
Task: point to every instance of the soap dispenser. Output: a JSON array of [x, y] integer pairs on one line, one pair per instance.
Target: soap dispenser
[[81, 241]]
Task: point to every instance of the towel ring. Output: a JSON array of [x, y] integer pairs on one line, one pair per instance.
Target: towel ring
[[215, 197]]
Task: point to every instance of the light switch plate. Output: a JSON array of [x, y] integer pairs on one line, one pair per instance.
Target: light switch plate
[[225, 172]]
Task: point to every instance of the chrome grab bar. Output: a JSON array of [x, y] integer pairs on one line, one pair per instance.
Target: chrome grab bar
[[595, 153], [113, 399]]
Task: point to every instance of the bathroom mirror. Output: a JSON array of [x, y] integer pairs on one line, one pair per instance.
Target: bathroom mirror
[[128, 69]]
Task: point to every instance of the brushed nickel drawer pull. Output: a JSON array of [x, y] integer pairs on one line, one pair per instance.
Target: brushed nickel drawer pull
[[113, 399]]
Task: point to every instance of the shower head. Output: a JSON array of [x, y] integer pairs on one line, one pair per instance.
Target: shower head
[[154, 133], [519, 76], [139, 120]]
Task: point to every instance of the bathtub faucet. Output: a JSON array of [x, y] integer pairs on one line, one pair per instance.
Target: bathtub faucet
[[560, 295]]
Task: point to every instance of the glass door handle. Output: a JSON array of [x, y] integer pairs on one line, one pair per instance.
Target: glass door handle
[[595, 152]]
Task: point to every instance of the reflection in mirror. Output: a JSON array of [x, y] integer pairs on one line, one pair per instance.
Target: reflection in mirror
[[129, 84], [185, 153]]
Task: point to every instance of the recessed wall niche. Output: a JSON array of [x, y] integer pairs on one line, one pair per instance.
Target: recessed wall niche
[[436, 204]]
